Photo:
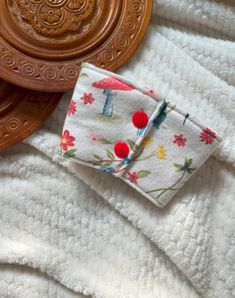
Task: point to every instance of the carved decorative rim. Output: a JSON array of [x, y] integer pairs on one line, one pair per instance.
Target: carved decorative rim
[[43, 42], [22, 112]]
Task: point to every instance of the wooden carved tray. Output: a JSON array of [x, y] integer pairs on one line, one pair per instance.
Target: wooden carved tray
[[43, 42], [22, 112]]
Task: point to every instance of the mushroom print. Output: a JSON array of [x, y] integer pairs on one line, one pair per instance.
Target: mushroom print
[[108, 85]]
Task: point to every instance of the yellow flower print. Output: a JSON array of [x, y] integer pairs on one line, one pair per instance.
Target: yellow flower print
[[147, 141], [161, 153]]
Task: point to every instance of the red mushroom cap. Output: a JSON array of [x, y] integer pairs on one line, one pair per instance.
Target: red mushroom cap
[[112, 84]]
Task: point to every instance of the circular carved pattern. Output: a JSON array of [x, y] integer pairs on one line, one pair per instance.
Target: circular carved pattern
[[55, 17], [22, 112], [135, 6], [131, 23], [28, 69], [108, 56], [122, 41], [50, 73], [8, 60], [13, 124], [71, 72], [61, 75]]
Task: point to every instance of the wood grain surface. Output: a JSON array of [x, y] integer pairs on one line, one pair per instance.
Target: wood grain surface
[[22, 112], [44, 42]]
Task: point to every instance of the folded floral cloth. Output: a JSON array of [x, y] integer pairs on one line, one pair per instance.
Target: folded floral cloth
[[132, 133]]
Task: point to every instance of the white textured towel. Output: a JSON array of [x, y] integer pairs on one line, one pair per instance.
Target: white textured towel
[[70, 231]]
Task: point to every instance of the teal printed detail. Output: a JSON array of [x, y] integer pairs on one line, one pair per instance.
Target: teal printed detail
[[161, 116]]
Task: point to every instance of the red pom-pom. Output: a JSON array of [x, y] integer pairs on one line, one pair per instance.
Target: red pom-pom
[[121, 149], [140, 119]]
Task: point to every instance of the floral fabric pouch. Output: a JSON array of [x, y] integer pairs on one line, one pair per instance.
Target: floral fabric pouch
[[131, 133]]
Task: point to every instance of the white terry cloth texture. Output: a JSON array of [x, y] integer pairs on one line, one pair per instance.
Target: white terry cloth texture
[[19, 281], [87, 233]]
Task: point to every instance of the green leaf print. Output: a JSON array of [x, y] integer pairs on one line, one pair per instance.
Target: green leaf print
[[69, 153], [143, 173], [108, 164], [105, 141], [110, 154], [184, 169], [132, 145], [97, 156]]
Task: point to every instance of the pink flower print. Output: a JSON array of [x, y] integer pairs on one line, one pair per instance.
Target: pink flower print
[[87, 98], [180, 140], [67, 140], [94, 138], [208, 136], [154, 93], [133, 177], [72, 108]]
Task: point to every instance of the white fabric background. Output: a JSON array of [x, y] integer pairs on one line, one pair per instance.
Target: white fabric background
[[86, 234], [86, 120]]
